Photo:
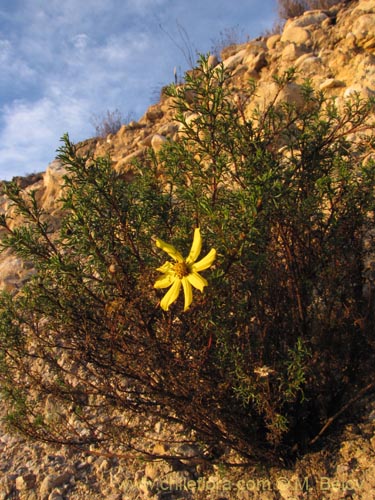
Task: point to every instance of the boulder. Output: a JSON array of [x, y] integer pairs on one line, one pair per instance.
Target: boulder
[[25, 482], [53, 481], [309, 18], [157, 142], [255, 62], [235, 60], [154, 113], [364, 31], [53, 180], [272, 41], [297, 35]]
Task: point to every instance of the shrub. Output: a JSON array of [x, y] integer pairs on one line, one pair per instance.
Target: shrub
[[288, 9], [271, 348], [109, 123], [232, 35]]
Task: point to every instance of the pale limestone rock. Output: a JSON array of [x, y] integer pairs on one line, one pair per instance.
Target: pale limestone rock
[[330, 83], [361, 90], [309, 18], [146, 141], [189, 96], [25, 482], [123, 130], [364, 6], [154, 113], [291, 52], [364, 27], [190, 118], [168, 130], [272, 41], [230, 50], [369, 44], [133, 125], [53, 179], [14, 272], [310, 66], [157, 142], [297, 35], [55, 495], [212, 61], [292, 94], [235, 60], [53, 481], [125, 163], [270, 92], [255, 62], [301, 59], [350, 41]]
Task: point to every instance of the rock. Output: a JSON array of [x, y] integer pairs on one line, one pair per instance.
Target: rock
[[7, 486], [291, 52], [24, 182], [364, 30], [123, 130], [146, 141], [154, 113], [189, 451], [270, 92], [125, 163], [358, 89], [230, 50], [146, 487], [364, 6], [53, 481], [212, 61], [190, 96], [168, 130], [53, 179], [272, 41], [25, 482], [330, 83], [255, 62], [55, 495], [235, 60], [297, 35], [311, 66], [309, 18], [133, 125], [157, 142]]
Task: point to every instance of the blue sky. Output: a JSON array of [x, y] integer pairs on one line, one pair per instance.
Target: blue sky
[[64, 61]]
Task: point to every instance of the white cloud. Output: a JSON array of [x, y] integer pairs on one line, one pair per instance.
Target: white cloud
[[31, 133], [80, 41], [12, 67], [63, 62]]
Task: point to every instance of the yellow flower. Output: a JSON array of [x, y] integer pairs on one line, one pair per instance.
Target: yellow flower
[[183, 272]]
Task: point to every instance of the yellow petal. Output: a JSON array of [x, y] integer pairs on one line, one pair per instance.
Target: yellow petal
[[197, 281], [196, 247], [206, 262], [171, 295], [170, 249], [166, 268], [164, 281], [188, 292]]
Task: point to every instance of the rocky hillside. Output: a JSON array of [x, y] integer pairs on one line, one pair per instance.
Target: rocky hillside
[[335, 49]]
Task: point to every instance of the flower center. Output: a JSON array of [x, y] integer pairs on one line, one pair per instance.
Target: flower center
[[181, 269]]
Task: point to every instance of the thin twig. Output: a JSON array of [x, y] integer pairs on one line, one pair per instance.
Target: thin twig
[[342, 410]]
